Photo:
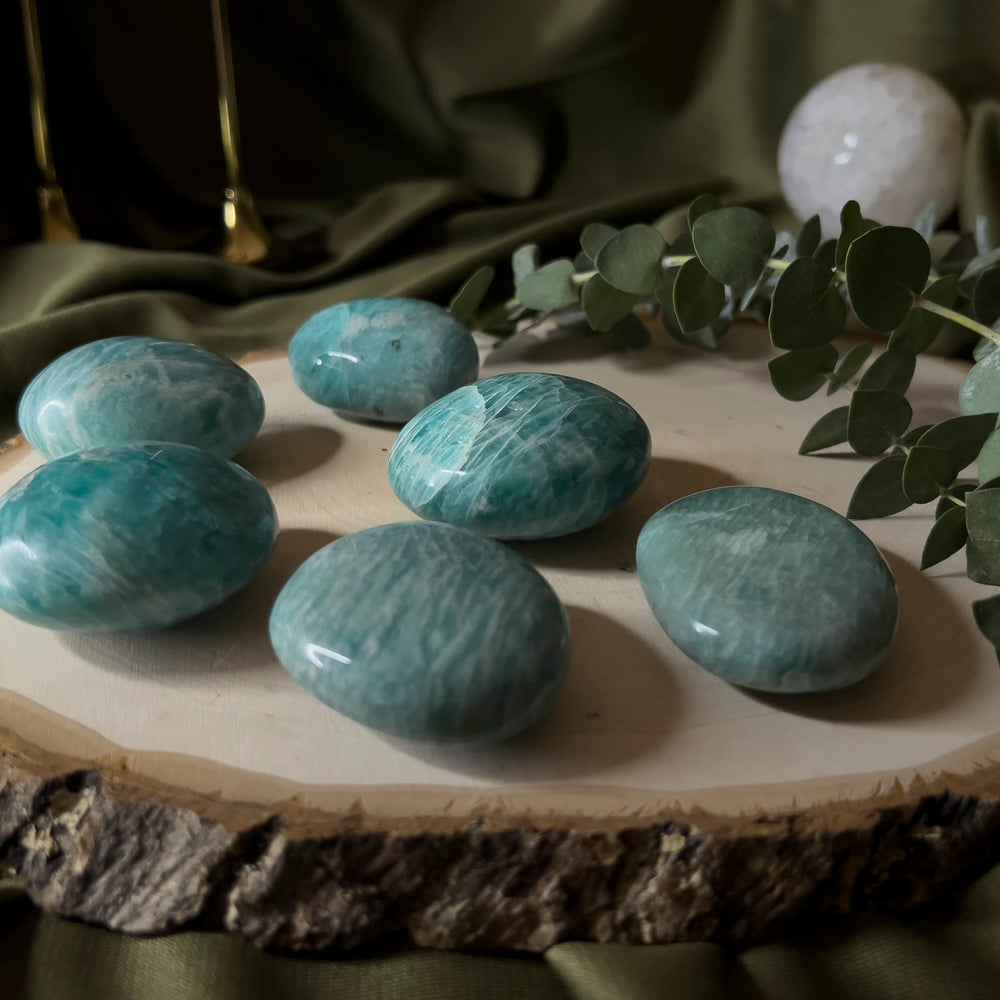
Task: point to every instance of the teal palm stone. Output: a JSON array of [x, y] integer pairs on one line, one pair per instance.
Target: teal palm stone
[[768, 590], [382, 359], [140, 389], [131, 536], [524, 455], [424, 631]]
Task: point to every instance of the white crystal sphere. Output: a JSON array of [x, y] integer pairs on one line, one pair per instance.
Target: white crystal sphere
[[888, 137]]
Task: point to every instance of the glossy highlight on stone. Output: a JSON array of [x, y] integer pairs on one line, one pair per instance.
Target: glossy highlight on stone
[[132, 536], [424, 631], [524, 455], [768, 590], [140, 389], [383, 358]]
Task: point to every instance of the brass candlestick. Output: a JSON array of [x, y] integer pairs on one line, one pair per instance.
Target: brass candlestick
[[57, 221], [246, 239]]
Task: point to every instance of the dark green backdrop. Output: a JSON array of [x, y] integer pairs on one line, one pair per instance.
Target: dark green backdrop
[[393, 144]]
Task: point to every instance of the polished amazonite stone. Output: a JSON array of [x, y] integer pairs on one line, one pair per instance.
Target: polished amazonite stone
[[382, 359], [525, 455], [767, 589], [140, 389], [130, 536], [424, 631]]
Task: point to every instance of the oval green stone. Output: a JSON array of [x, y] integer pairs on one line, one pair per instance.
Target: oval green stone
[[140, 389], [424, 631], [768, 590], [131, 536]]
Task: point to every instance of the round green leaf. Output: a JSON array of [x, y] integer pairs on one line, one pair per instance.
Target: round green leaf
[[807, 242], [983, 548], [875, 420], [852, 225], [829, 430], [946, 537], [697, 297], [850, 365], [733, 244], [880, 491], [927, 472], [549, 288], [961, 437], [886, 270], [798, 374], [986, 296], [469, 297], [892, 371], [702, 205], [989, 458], [523, 261], [806, 308], [630, 260], [987, 615], [594, 238], [603, 305]]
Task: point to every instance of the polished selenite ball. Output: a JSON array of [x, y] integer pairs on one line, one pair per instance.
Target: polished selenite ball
[[885, 136]]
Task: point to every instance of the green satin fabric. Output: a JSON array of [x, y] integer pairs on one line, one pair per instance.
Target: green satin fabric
[[394, 145]]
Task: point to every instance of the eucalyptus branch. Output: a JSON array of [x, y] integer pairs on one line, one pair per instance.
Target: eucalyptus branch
[[731, 262]]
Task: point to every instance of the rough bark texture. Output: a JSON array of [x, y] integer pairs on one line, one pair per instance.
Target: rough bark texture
[[111, 849]]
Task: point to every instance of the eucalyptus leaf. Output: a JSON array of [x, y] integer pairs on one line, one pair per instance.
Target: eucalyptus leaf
[[946, 503], [798, 374], [829, 430], [852, 225], [469, 297], [549, 288], [961, 437], [892, 370], [875, 420], [989, 457], [733, 244], [947, 535], [603, 305], [630, 260], [983, 547], [986, 296], [697, 297], [595, 237], [807, 241], [886, 269], [826, 253], [806, 308], [523, 261], [979, 263], [982, 348], [919, 328], [702, 205], [987, 615], [926, 472], [879, 492], [850, 365]]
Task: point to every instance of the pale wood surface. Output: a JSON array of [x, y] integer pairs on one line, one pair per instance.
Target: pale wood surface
[[638, 725], [201, 717]]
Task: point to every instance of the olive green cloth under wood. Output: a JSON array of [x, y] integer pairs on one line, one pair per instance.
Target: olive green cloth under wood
[[952, 950], [393, 145], [412, 141]]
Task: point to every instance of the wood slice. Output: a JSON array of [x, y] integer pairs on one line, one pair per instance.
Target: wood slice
[[177, 779]]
